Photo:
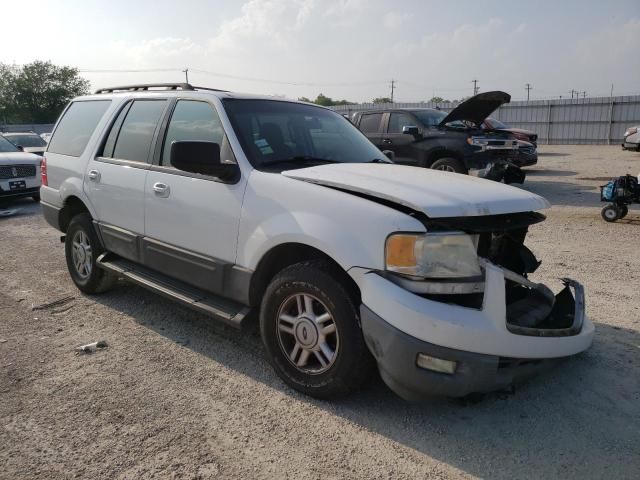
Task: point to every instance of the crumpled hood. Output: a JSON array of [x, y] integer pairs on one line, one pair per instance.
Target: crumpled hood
[[19, 158], [477, 109], [437, 194]]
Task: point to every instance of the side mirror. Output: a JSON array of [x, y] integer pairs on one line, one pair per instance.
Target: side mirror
[[390, 155], [411, 130], [20, 147], [202, 158]]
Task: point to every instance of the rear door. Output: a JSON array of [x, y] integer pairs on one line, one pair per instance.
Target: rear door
[[191, 220], [115, 178], [371, 125], [400, 143]]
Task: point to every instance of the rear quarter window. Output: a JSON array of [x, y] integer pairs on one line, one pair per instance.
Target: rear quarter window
[[74, 130]]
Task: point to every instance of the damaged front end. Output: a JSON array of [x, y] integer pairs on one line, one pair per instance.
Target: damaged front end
[[532, 309]]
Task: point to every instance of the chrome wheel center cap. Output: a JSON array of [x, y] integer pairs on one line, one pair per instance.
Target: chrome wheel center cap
[[306, 333]]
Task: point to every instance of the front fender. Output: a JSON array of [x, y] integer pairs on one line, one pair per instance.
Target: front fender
[[350, 229]]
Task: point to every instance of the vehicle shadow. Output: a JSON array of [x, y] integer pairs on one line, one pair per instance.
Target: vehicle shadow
[[580, 420], [23, 207], [550, 173], [565, 192], [552, 154]]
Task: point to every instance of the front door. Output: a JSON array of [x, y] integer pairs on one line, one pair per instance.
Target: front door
[[400, 143], [191, 220]]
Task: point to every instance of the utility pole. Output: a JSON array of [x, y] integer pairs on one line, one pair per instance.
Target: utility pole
[[393, 84], [528, 87], [584, 94], [475, 87], [186, 74]]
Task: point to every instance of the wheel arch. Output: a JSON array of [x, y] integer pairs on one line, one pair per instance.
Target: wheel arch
[[283, 255], [73, 205], [434, 155]]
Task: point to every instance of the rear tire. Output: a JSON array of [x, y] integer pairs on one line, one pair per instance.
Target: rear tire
[[449, 164], [624, 210], [82, 247], [610, 213], [310, 326]]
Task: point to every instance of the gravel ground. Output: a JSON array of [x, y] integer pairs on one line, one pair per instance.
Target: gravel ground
[[177, 396]]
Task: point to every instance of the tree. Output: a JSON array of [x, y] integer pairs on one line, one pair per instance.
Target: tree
[[437, 100], [382, 100], [325, 101], [37, 92]]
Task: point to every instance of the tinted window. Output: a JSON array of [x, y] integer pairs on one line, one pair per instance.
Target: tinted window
[[370, 122], [430, 118], [193, 120], [399, 120], [107, 151], [76, 126], [6, 146], [27, 140], [283, 135], [136, 134]]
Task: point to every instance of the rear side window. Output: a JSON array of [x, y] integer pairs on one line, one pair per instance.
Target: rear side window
[[370, 122], [132, 133], [76, 126]]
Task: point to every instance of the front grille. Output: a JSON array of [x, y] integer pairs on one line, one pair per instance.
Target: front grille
[[17, 171]]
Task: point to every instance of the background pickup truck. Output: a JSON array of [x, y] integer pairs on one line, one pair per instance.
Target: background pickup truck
[[454, 142]]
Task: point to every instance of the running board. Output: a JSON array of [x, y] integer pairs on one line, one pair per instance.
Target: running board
[[230, 312]]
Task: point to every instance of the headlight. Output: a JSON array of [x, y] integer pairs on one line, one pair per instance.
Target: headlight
[[434, 256]]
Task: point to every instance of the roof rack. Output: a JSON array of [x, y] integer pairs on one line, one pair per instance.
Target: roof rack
[[153, 86]]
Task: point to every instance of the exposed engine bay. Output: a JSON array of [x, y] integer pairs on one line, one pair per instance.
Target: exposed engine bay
[[531, 308]]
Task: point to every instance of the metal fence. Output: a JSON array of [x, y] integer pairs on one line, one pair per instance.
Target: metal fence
[[598, 120]]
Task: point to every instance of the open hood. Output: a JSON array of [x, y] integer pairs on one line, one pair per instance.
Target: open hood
[[476, 109], [437, 194]]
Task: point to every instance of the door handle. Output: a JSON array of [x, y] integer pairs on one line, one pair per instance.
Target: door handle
[[94, 175], [386, 141], [161, 189]]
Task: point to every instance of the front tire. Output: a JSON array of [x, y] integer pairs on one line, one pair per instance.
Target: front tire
[[82, 248], [310, 327], [449, 164]]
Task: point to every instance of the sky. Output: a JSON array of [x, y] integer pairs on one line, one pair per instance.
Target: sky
[[345, 49]]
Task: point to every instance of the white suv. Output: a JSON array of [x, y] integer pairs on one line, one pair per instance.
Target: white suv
[[232, 203]]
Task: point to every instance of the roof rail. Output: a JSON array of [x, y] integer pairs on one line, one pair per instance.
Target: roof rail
[[146, 87], [149, 86]]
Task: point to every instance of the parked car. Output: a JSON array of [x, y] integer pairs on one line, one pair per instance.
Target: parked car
[[519, 133], [232, 203], [632, 139], [27, 142], [451, 142], [46, 136], [19, 173]]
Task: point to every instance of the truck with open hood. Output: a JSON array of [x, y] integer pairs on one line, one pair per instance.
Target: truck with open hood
[[453, 142], [231, 204]]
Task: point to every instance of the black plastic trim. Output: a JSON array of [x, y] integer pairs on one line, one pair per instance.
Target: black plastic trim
[[51, 214]]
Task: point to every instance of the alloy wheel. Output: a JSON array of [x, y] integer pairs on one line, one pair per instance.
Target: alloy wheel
[[82, 255]]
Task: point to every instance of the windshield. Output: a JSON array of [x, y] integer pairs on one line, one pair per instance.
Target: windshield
[[295, 135], [6, 146], [27, 140], [430, 118], [496, 123]]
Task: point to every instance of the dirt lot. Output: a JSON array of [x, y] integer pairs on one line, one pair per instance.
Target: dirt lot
[[175, 396]]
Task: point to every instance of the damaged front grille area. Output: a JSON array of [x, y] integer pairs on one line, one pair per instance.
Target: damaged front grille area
[[531, 309]]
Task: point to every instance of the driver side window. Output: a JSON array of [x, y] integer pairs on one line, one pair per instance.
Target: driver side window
[[194, 120], [399, 120]]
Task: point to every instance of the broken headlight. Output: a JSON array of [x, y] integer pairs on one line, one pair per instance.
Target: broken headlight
[[433, 256]]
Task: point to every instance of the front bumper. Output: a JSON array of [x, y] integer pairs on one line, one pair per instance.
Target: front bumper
[[31, 187], [491, 354], [396, 353]]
